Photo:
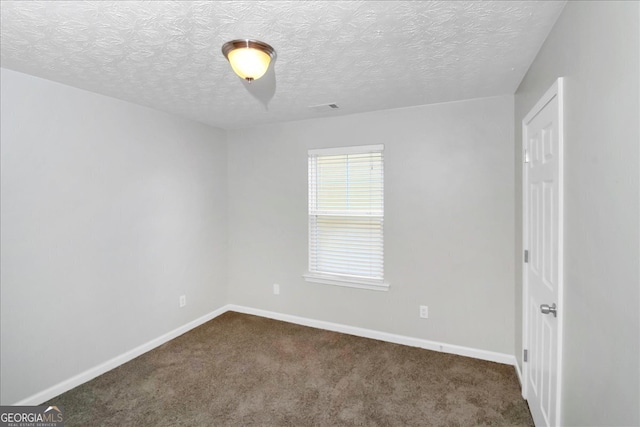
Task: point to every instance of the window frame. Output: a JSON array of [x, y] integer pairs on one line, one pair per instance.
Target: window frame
[[335, 278]]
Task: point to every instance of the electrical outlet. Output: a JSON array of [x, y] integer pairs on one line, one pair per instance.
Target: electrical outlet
[[276, 289], [183, 300], [424, 312]]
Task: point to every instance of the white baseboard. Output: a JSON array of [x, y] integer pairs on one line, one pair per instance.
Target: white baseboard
[[518, 371], [90, 374], [491, 356], [521, 378]]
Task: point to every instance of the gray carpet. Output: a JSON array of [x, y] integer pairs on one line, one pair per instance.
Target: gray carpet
[[239, 370]]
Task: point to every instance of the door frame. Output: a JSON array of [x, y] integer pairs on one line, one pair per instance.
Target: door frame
[[556, 90]]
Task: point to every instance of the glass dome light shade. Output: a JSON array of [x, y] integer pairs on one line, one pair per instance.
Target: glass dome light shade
[[250, 64], [249, 59]]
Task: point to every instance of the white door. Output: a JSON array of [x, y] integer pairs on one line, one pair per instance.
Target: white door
[[542, 268]]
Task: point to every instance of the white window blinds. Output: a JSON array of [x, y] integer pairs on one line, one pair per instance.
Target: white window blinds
[[346, 213]]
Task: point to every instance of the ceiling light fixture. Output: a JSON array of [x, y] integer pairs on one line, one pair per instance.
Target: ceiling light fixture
[[249, 59]]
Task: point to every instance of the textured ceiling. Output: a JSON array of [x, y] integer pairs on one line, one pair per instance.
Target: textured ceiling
[[363, 56]]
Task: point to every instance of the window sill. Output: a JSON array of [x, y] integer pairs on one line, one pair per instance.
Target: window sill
[[349, 282]]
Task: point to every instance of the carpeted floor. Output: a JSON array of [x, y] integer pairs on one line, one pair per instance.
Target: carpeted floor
[[240, 370]]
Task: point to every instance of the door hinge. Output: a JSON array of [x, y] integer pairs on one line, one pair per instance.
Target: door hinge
[[526, 156], [526, 355], [526, 255]]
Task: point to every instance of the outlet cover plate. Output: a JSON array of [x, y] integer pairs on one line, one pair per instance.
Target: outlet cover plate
[[424, 312]]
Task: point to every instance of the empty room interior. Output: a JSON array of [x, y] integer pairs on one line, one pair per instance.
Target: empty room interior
[[391, 193]]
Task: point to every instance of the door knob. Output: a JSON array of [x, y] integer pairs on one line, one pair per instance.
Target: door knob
[[545, 309]]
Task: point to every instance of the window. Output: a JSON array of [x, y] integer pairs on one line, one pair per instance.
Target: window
[[346, 215]]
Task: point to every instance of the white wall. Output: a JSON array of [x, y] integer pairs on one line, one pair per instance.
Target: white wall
[[449, 201], [110, 211], [596, 45]]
